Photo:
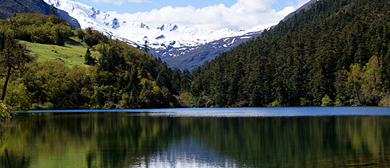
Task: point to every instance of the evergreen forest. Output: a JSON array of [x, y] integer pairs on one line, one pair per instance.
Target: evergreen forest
[[334, 53]]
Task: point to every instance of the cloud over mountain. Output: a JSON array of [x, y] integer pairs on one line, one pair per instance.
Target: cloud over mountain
[[243, 14]]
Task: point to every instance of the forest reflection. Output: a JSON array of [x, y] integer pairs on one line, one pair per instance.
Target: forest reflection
[[123, 140]]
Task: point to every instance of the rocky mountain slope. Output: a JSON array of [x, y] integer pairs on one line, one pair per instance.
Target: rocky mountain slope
[[191, 57], [10, 7]]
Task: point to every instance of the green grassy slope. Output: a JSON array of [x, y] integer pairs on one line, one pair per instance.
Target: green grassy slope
[[71, 54]]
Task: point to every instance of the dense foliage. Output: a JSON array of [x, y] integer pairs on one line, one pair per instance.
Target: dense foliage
[[121, 77], [336, 52]]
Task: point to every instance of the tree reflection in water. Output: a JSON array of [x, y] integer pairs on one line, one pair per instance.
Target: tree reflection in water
[[123, 140]]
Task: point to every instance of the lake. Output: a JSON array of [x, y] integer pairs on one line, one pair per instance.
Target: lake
[[211, 137]]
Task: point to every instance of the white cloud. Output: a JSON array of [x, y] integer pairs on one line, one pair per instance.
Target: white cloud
[[242, 15], [287, 10], [301, 2]]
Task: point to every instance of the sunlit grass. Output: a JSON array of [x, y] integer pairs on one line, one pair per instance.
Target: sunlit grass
[[71, 54]]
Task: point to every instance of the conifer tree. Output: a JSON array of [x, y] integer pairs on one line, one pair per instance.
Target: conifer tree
[[13, 56], [89, 60]]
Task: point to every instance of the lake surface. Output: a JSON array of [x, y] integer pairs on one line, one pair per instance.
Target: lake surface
[[220, 137]]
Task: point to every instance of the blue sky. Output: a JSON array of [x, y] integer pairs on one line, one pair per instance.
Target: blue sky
[[205, 14], [126, 6]]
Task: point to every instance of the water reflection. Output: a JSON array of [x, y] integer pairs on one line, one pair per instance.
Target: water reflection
[[188, 153], [124, 140]]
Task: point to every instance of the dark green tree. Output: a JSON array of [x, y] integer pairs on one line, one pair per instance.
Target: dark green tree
[[89, 60], [13, 57]]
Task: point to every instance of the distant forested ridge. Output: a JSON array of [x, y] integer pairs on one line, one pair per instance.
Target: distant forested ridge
[[336, 52]]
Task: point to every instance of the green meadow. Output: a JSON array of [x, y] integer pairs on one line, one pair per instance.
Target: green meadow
[[71, 54]]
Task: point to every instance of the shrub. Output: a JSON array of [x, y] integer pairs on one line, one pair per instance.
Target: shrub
[[17, 98], [3, 111], [385, 101], [326, 101]]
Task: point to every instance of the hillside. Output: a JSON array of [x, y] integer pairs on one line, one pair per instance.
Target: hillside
[[72, 53], [336, 52], [117, 75]]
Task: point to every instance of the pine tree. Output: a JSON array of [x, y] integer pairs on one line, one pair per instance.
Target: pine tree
[[13, 56], [89, 60]]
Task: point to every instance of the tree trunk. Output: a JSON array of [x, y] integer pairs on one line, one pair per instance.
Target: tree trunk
[[5, 84]]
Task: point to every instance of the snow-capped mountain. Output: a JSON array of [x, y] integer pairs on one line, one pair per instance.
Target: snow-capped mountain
[[179, 46], [163, 37], [192, 57]]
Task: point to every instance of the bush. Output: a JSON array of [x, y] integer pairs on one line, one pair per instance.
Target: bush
[[44, 106], [109, 105], [79, 33], [326, 101], [3, 111], [186, 99], [385, 101], [17, 98], [276, 103]]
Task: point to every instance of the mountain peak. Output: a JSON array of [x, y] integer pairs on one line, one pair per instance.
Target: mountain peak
[[170, 27], [175, 27], [143, 25], [161, 27]]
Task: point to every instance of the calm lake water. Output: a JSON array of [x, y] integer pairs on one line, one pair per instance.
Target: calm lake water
[[221, 137]]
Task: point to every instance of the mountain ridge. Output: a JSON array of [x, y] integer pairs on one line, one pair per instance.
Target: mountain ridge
[[303, 7]]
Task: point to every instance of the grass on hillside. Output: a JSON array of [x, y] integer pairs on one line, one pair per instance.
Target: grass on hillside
[[71, 54]]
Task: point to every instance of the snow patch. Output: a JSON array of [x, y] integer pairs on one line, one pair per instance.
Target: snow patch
[[246, 37], [232, 41]]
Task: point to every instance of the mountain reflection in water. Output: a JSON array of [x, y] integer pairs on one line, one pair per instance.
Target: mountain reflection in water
[[134, 140]]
